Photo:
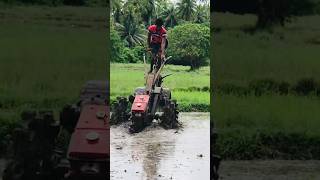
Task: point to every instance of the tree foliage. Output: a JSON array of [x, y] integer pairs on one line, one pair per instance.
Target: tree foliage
[[117, 46], [121, 53], [189, 44], [186, 9], [170, 16], [130, 28], [131, 19], [278, 12], [201, 14], [116, 10], [269, 12], [148, 10]]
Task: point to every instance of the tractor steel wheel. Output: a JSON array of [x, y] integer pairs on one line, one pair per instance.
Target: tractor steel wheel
[[120, 112], [169, 118], [137, 124]]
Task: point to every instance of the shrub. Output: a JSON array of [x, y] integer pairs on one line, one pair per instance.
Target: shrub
[[117, 46], [305, 86], [189, 45], [129, 56], [264, 86]]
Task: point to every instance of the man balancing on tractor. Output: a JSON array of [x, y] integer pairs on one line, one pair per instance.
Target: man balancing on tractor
[[153, 101], [157, 42]]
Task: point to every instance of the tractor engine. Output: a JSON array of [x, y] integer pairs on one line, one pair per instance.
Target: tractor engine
[[140, 105], [88, 151]]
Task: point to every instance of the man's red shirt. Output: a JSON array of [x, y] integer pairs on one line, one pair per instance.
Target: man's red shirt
[[157, 35]]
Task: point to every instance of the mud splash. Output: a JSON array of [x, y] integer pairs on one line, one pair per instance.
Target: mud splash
[[156, 153]]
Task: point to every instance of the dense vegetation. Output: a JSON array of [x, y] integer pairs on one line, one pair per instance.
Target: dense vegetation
[[188, 28], [269, 12], [130, 20], [189, 45]]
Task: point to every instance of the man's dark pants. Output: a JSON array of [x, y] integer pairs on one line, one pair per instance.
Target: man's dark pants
[[154, 50]]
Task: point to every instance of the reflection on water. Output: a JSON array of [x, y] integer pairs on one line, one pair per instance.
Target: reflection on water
[[156, 153], [151, 161]]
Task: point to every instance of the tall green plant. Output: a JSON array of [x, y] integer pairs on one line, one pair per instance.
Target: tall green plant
[[186, 9], [170, 16], [116, 9], [201, 14], [130, 29], [117, 46], [149, 10], [189, 44]]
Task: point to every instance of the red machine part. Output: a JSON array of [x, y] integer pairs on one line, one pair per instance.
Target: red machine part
[[140, 103], [90, 140]]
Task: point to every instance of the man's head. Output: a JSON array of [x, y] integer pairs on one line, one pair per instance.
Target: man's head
[[159, 22]]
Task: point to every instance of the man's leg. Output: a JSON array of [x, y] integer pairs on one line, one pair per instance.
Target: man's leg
[[151, 65], [154, 51], [152, 61]]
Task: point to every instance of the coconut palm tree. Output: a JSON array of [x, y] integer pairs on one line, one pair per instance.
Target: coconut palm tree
[[170, 16], [116, 9], [148, 10], [161, 5], [130, 29], [203, 1], [201, 14], [186, 9]]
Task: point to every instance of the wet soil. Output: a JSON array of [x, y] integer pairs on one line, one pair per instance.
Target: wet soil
[[270, 169], [156, 153]]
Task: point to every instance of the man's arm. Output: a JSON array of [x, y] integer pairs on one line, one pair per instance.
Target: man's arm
[[163, 45]]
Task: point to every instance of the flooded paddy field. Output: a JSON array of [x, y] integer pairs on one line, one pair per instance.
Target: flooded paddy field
[[156, 153]]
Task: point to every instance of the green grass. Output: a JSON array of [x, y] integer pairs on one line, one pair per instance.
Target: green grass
[[286, 54], [281, 127], [125, 78], [269, 126], [44, 61], [268, 113], [61, 16]]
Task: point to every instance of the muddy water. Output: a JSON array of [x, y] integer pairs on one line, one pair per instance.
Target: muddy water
[[160, 154]]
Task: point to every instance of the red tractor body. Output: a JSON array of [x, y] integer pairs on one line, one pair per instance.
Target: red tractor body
[[140, 104], [90, 139]]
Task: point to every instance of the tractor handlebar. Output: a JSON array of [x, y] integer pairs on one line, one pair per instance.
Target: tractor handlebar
[[167, 59]]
